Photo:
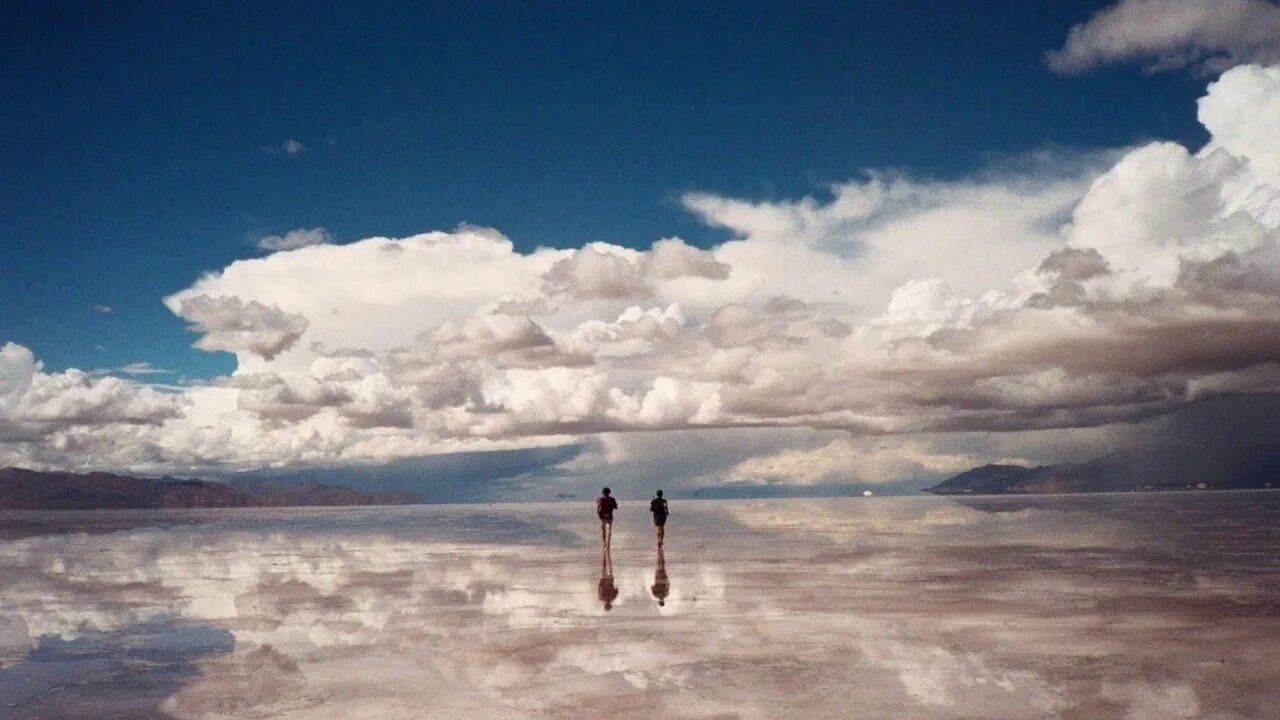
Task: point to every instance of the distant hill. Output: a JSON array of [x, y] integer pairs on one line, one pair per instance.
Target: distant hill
[[268, 494], [1256, 467], [22, 489]]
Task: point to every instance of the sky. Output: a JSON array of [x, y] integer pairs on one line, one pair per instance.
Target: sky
[[778, 243]]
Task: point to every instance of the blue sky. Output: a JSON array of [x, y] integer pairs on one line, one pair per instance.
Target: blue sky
[[521, 249], [133, 137]]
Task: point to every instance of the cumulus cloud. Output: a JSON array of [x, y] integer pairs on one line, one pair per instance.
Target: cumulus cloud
[[1168, 34], [872, 236], [271, 397], [233, 325], [35, 406], [103, 309], [295, 239], [597, 271], [673, 258], [1110, 289], [18, 366], [606, 272]]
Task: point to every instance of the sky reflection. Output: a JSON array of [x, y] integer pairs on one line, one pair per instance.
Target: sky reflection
[[1125, 607]]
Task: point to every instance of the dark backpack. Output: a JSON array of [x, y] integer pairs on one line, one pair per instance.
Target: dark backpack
[[658, 505], [605, 505]]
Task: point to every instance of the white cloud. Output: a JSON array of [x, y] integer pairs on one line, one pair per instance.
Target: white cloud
[[597, 271], [601, 271], [854, 460], [103, 309], [290, 147], [1168, 34], [875, 235], [143, 368], [377, 294], [35, 407], [295, 239], [233, 325], [18, 367], [1241, 111], [1057, 297], [673, 258]]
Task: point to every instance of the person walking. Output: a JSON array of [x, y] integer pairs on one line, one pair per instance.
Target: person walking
[[658, 506], [605, 505]]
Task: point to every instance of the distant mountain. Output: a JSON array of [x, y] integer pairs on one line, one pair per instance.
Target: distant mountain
[[984, 480], [269, 494], [22, 489], [1120, 472]]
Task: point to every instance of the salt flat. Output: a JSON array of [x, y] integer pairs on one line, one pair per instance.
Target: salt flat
[[1123, 606]]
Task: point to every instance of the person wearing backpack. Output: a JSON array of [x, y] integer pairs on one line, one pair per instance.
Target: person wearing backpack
[[605, 505], [658, 506]]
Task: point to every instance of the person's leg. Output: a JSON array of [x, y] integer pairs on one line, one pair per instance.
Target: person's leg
[[662, 534]]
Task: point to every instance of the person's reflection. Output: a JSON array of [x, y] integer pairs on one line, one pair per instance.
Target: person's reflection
[[607, 591], [661, 585]]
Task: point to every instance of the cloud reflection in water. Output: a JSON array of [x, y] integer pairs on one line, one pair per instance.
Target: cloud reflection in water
[[1137, 607]]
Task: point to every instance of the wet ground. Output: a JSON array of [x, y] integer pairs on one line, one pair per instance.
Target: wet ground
[[1142, 607]]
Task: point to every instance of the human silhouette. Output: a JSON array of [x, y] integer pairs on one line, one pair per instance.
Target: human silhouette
[[661, 585], [658, 506], [606, 590], [605, 505]]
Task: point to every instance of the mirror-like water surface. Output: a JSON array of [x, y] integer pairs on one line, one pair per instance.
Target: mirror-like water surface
[[1126, 606]]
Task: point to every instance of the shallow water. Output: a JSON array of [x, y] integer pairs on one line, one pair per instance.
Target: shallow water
[[1118, 606]]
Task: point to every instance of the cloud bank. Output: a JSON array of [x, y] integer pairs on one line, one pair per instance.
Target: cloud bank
[[1108, 289], [1211, 35]]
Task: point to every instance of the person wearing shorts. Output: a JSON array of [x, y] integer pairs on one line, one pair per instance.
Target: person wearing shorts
[[658, 506], [605, 505]]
